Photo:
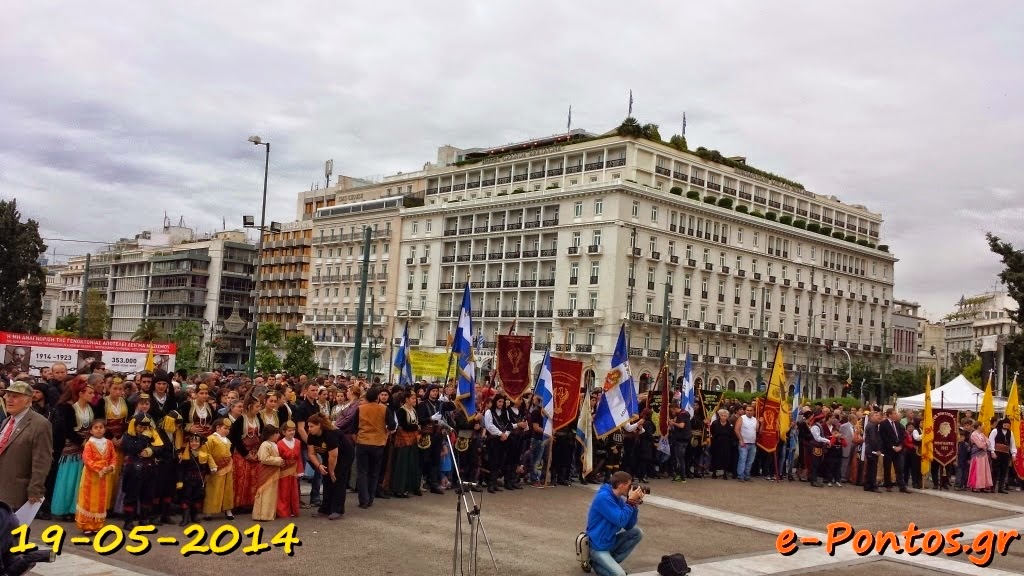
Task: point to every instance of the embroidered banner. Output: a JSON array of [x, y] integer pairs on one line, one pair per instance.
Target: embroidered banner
[[513, 361], [567, 376], [945, 443]]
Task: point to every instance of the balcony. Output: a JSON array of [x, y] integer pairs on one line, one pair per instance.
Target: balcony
[[637, 252], [467, 230], [656, 318], [742, 331], [691, 263], [526, 313], [462, 258], [446, 285], [650, 285], [543, 313], [774, 204], [574, 169], [726, 328], [594, 166], [771, 279], [541, 346], [574, 280], [549, 253], [585, 313], [519, 178], [566, 312], [494, 283], [652, 353], [515, 226], [447, 259], [572, 251], [594, 249], [680, 176], [696, 181], [409, 261], [555, 172], [789, 337], [494, 256], [693, 324], [585, 348], [497, 227], [616, 162], [504, 180], [788, 208], [488, 182], [757, 275], [511, 254], [729, 191], [532, 224], [636, 316], [510, 284], [742, 361], [725, 269], [662, 170], [476, 285], [636, 351], [529, 283], [563, 347], [546, 282], [745, 195], [714, 186], [452, 232], [656, 256], [530, 253], [673, 259], [710, 326], [709, 266], [480, 229], [480, 257], [724, 360], [535, 175], [760, 200], [423, 259], [773, 335], [707, 359]]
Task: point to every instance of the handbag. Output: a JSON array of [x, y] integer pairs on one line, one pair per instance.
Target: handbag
[[674, 565]]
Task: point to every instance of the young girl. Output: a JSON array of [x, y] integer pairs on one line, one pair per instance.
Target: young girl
[[980, 477], [99, 457], [72, 418], [290, 450], [220, 488], [265, 503], [192, 460]]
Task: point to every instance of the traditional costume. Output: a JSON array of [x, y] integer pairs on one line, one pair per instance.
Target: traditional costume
[[220, 490], [91, 513], [1003, 448], [287, 487], [72, 426], [142, 445], [980, 476], [201, 415], [116, 414], [405, 474], [191, 486], [267, 480], [245, 439]]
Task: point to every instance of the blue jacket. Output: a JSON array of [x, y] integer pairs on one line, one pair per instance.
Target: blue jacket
[[608, 514]]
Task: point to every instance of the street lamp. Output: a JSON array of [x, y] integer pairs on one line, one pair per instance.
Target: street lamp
[[249, 222], [211, 331]]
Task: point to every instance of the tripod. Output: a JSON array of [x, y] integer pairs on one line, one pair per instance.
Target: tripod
[[468, 502]]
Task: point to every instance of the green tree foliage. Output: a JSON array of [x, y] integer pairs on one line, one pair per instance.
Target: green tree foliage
[[678, 142], [961, 360], [269, 337], [22, 278], [299, 357], [149, 331], [972, 372], [629, 128], [1013, 277], [188, 337], [97, 317], [67, 323], [650, 132]]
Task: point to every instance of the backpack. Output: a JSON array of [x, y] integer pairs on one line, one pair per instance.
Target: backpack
[[674, 565], [583, 551]]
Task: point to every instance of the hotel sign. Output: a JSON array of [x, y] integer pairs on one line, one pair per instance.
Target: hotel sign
[[525, 154]]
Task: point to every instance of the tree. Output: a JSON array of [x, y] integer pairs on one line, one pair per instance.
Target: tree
[[678, 142], [187, 337], [650, 132], [68, 323], [963, 359], [149, 331], [270, 337], [299, 357], [97, 318], [23, 280], [629, 128], [1013, 277], [973, 372]]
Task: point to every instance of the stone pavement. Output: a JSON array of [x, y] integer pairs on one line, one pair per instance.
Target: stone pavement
[[720, 536]]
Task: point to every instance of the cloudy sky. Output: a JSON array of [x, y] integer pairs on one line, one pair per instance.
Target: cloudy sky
[[115, 112]]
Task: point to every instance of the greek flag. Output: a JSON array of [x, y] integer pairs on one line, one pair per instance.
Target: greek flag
[[686, 399], [618, 404], [545, 390], [462, 345], [402, 360], [795, 407]]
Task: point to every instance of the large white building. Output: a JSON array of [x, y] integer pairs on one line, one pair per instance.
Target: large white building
[[981, 324], [571, 236]]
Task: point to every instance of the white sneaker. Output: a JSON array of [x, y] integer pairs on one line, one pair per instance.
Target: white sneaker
[[830, 484], [839, 484]]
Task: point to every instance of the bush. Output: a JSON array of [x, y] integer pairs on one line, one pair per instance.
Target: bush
[[862, 242], [757, 214], [825, 230], [742, 209], [838, 235], [552, 185], [871, 244], [725, 202], [519, 191], [676, 190], [850, 238], [786, 219], [693, 195], [771, 216], [709, 199], [883, 247], [813, 227], [502, 193], [800, 224]]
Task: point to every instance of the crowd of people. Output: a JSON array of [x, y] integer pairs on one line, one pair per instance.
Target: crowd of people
[[150, 446]]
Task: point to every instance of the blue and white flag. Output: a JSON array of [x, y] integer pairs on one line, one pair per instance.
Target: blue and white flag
[[402, 360], [618, 404], [795, 407], [686, 400], [462, 345], [545, 390]]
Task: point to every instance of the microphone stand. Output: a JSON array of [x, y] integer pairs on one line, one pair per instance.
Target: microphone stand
[[473, 515]]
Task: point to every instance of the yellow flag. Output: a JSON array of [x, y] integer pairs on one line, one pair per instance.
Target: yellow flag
[[150, 364], [777, 381], [988, 409], [927, 428], [1013, 413]]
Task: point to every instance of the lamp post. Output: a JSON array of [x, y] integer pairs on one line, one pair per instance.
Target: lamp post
[[211, 331], [257, 141]]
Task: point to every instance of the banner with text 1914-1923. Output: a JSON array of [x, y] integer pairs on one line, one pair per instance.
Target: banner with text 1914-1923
[[32, 353]]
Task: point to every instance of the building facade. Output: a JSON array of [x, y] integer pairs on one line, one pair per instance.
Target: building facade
[[981, 325], [906, 326], [284, 276], [571, 237]]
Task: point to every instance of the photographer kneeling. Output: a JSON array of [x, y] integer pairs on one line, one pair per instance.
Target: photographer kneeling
[[611, 524]]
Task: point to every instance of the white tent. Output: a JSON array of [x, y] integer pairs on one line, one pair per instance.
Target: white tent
[[957, 394]]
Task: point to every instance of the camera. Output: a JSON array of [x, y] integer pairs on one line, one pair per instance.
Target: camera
[[643, 488]]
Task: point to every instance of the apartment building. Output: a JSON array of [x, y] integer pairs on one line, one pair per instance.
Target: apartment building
[[906, 328], [285, 275], [981, 324], [571, 236], [51, 297]]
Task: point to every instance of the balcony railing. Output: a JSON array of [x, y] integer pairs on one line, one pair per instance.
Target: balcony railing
[[616, 162], [566, 312], [593, 166]]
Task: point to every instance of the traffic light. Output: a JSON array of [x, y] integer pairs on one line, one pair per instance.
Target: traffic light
[[828, 347], [932, 351]]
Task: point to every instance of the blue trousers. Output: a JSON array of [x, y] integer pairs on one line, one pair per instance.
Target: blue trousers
[[609, 562], [747, 453]]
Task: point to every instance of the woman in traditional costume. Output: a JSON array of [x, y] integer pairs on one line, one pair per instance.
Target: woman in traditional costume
[[245, 438], [115, 410], [290, 450], [220, 490], [99, 459], [265, 504], [71, 429], [980, 477], [405, 474]]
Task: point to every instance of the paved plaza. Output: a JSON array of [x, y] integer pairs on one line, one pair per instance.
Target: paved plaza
[[723, 527]]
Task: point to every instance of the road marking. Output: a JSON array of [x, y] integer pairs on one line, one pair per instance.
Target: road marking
[[967, 498]]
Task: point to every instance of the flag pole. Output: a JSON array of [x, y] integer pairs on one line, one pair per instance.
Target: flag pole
[[548, 482]]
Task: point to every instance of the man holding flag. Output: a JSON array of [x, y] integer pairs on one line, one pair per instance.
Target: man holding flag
[[618, 405], [462, 346], [679, 426], [402, 360], [541, 419]]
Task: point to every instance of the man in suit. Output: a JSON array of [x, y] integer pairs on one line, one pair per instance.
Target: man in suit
[[892, 433], [26, 449], [872, 448]]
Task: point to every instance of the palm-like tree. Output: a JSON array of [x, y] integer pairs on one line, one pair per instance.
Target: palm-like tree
[[149, 331]]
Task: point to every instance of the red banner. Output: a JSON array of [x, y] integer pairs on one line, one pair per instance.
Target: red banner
[[567, 376], [33, 352], [945, 443], [1018, 463], [768, 439], [513, 361]]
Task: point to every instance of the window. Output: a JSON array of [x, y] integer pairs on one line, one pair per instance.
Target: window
[[874, 268], [653, 244], [636, 209], [755, 239], [739, 235], [812, 253], [721, 289], [784, 272], [686, 282], [703, 314], [799, 250], [753, 265], [577, 210], [574, 270], [596, 238], [650, 274], [386, 248], [426, 251], [593, 303], [591, 336], [739, 262], [572, 302], [654, 213], [707, 255], [598, 206], [686, 311], [412, 252], [415, 227], [721, 259], [595, 271], [671, 248], [689, 251], [650, 306], [429, 225], [797, 274], [576, 239]]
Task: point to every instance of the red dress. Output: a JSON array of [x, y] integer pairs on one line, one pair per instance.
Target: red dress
[[288, 485], [246, 471]]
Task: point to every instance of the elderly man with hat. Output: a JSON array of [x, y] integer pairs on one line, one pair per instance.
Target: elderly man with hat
[[26, 448]]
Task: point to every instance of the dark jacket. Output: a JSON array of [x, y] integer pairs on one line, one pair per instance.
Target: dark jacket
[[892, 434]]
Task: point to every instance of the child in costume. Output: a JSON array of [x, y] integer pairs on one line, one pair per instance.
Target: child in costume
[[99, 458], [191, 485]]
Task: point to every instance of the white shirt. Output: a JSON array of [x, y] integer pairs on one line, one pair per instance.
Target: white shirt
[[489, 424], [992, 443], [14, 420], [748, 429]]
